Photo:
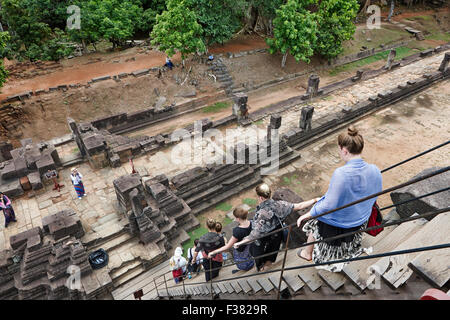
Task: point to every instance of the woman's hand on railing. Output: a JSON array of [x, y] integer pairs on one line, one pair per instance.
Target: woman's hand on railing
[[302, 218]]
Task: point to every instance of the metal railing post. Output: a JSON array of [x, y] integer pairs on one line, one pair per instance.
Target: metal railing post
[[184, 289], [210, 278], [284, 262], [165, 283], [156, 287]]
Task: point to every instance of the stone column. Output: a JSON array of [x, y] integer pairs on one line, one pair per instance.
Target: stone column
[[391, 58], [275, 124], [240, 106], [445, 61], [5, 151], [306, 118], [359, 74], [76, 133], [136, 210], [313, 85]]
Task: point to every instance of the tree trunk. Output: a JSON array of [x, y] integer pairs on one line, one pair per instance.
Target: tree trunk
[[253, 18], [366, 5], [283, 61], [391, 12], [83, 44]]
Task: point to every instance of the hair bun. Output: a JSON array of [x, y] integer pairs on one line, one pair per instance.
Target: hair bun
[[352, 131]]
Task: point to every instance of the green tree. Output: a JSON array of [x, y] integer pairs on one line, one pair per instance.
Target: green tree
[[219, 19], [4, 38], [177, 29], [31, 36], [295, 31], [336, 25], [151, 9], [112, 20]]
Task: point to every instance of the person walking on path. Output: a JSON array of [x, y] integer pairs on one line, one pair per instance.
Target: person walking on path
[[241, 255], [207, 243], [8, 211], [77, 183], [194, 266], [178, 265], [269, 217], [353, 181]]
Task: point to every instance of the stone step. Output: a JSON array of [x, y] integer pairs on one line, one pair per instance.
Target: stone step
[[93, 239], [358, 271], [254, 180], [129, 276], [114, 243]]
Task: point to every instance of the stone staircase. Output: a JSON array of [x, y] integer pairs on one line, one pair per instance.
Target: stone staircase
[[222, 76], [429, 267], [127, 257]]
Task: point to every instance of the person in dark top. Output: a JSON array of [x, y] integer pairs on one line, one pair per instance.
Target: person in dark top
[[216, 261], [8, 211], [241, 254], [268, 217]]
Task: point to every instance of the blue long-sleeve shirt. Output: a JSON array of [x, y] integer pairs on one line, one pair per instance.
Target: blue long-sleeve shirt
[[353, 181]]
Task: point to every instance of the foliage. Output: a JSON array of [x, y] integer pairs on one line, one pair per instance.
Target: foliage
[[31, 37], [295, 30], [268, 7], [306, 27], [113, 20], [177, 29], [4, 38], [335, 26], [219, 19]]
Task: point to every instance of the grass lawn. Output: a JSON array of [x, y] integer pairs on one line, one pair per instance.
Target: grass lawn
[[401, 53], [197, 233], [218, 106], [386, 35]]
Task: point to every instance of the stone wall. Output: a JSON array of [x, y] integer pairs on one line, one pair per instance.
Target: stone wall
[[40, 261], [26, 168], [124, 122]]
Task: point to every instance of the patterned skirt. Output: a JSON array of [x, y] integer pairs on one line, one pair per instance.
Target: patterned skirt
[[79, 188], [348, 247]]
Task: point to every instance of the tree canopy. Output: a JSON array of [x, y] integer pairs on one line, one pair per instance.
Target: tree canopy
[[38, 29], [4, 37], [306, 27], [295, 30], [177, 29]]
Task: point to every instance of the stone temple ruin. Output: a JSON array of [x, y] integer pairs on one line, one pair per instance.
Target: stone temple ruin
[[36, 267], [156, 211], [23, 168]]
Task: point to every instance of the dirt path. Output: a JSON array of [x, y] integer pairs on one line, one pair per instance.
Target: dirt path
[[83, 69], [257, 99]]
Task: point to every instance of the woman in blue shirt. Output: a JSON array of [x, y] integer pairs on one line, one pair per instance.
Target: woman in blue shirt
[[353, 181]]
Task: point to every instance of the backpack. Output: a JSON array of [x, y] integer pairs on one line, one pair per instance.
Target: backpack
[[210, 242], [375, 219], [243, 259]]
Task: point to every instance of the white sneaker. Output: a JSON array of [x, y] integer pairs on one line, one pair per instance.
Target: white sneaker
[[79, 198]]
